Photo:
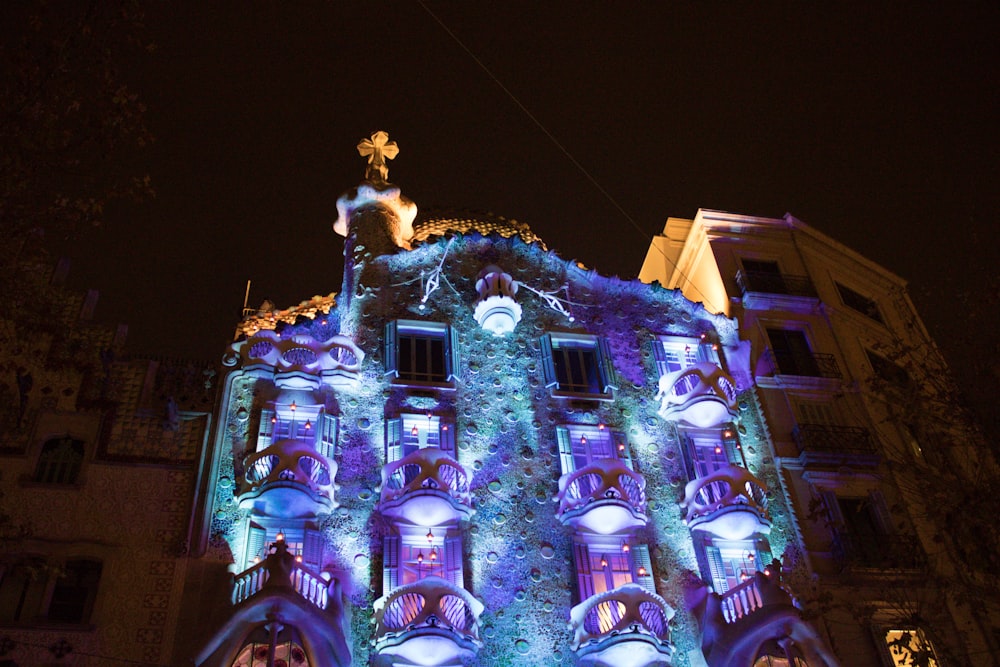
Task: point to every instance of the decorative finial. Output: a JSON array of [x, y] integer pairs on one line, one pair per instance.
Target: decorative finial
[[378, 149]]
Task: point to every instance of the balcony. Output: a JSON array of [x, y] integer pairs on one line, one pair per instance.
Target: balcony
[[288, 479], [605, 497], [805, 364], [738, 622], [822, 445], [702, 395], [281, 570], [427, 487], [763, 290], [730, 503], [430, 623], [902, 553], [625, 627]]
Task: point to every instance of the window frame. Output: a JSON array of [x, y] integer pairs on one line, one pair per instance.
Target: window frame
[[395, 330], [589, 549], [606, 378], [47, 468], [863, 305], [399, 441]]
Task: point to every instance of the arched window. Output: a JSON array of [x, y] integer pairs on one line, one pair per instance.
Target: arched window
[[775, 653], [288, 652], [60, 461]]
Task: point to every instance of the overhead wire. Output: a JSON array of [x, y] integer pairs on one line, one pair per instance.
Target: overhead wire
[[607, 195]]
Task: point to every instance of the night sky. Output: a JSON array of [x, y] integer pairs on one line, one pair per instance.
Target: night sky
[[874, 125]]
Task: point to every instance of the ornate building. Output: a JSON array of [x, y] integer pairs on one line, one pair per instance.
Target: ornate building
[[478, 453]]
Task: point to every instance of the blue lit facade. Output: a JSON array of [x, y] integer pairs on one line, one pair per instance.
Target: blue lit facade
[[479, 453]]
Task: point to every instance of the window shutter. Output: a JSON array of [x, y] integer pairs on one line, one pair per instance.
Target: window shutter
[[312, 549], [659, 356], [390, 353], [609, 378], [639, 553], [585, 581], [565, 450], [327, 435], [393, 439], [446, 439], [880, 513], [390, 564], [548, 367], [624, 454], [454, 359], [717, 571], [453, 560], [256, 536], [688, 446], [265, 432], [730, 444]]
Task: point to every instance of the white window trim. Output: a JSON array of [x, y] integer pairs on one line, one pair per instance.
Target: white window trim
[[607, 377], [449, 339]]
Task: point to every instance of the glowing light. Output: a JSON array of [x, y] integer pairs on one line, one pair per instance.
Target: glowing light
[[600, 427], [625, 547], [298, 559], [430, 536], [727, 433], [308, 425], [414, 431], [715, 346], [583, 440], [292, 406], [280, 537], [621, 446], [718, 450], [274, 420], [444, 427], [256, 559], [434, 554], [642, 571], [704, 336], [420, 556], [604, 561]]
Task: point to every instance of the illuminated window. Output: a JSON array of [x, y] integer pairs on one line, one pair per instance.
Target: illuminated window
[[730, 563], [603, 564], [418, 553], [859, 303], [288, 651], [74, 592], [580, 445], [60, 461], [410, 432], [675, 353], [304, 542], [779, 654], [421, 352], [909, 647], [577, 365]]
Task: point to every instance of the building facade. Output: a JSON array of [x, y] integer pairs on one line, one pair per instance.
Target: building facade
[[478, 453]]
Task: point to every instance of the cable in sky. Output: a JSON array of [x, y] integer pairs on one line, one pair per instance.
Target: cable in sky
[[563, 149]]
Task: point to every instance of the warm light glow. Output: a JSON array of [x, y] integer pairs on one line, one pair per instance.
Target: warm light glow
[[256, 559], [280, 537], [444, 427], [308, 424], [292, 406], [420, 556], [718, 450], [642, 571], [621, 446], [274, 420], [604, 561], [298, 559], [600, 427], [727, 433], [583, 440], [430, 536], [414, 431], [625, 547], [434, 554]]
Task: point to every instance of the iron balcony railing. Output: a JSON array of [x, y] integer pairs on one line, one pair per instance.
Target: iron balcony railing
[[879, 552], [827, 439], [775, 283], [806, 364]]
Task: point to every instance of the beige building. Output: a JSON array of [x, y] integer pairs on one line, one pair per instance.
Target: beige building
[[866, 434]]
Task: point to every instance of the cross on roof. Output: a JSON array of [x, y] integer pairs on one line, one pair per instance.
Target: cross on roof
[[378, 149]]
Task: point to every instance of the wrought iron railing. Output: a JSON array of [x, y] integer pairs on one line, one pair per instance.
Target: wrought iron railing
[[806, 364], [628, 608], [833, 439], [775, 283], [602, 479], [881, 552]]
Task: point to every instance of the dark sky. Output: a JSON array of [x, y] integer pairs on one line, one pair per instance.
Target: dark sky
[[874, 125]]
